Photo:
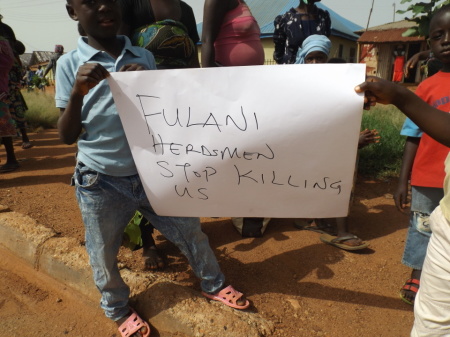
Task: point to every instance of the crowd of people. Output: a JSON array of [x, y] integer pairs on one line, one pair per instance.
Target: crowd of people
[[161, 34]]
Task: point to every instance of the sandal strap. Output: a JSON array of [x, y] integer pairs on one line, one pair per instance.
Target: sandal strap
[[413, 280], [230, 294], [412, 285], [133, 324], [341, 239]]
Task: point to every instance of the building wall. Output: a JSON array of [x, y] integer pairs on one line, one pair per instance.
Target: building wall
[[379, 59], [343, 48], [340, 47]]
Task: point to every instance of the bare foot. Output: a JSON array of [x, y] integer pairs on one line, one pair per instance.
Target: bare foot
[[354, 242], [152, 259]]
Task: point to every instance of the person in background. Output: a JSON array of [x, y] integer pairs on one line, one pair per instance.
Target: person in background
[[39, 72], [7, 126], [293, 27], [7, 32], [28, 77], [399, 63], [231, 35], [167, 28], [315, 50], [108, 187], [430, 67], [17, 104], [59, 51]]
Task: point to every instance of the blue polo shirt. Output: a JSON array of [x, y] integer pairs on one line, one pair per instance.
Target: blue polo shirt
[[410, 129], [102, 146]]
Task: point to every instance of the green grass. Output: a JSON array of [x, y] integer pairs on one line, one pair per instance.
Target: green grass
[[42, 112], [383, 160]]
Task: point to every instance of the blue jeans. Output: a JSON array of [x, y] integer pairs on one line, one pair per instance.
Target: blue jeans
[[107, 203], [423, 202]]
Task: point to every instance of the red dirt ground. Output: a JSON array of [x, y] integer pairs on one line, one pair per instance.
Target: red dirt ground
[[305, 287]]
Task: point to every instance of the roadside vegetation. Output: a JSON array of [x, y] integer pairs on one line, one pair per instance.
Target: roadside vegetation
[[42, 113], [384, 159]]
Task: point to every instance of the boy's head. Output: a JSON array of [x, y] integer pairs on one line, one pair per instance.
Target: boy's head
[[439, 38], [99, 19]]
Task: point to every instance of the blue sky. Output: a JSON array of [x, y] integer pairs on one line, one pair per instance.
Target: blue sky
[[40, 24]]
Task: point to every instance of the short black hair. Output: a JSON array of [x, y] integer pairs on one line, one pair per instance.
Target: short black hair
[[440, 11]]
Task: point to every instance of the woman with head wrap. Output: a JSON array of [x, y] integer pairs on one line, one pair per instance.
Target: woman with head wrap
[[315, 49], [294, 26]]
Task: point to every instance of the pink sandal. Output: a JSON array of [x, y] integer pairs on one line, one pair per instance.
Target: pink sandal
[[133, 324], [228, 296]]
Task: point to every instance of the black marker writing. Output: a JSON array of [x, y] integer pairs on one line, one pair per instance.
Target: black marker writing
[[184, 118]]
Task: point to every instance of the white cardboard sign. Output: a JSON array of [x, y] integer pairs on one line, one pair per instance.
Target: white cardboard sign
[[258, 141]]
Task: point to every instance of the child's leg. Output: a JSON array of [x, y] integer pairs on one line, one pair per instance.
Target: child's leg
[[432, 304], [152, 258], [342, 230], [106, 209], [186, 233], [423, 201]]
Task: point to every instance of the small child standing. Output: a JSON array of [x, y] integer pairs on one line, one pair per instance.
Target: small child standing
[[432, 303], [423, 165], [108, 188]]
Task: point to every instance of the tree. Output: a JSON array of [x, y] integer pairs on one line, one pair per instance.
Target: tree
[[421, 14]]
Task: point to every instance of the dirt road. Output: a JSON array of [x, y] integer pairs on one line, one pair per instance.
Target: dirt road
[[306, 288]]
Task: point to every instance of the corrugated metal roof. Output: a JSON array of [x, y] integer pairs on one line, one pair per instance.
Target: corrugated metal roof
[[39, 57], [403, 24], [394, 35], [265, 12], [390, 32], [25, 59]]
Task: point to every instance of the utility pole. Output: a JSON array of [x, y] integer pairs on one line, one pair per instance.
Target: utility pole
[[370, 14], [393, 18]]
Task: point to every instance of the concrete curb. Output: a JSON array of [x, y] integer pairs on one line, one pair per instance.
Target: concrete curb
[[170, 307]]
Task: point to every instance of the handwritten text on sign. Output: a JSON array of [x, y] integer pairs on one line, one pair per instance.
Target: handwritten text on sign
[[265, 141]]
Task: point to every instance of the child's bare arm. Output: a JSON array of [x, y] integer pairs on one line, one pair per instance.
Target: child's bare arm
[[69, 122], [367, 137], [434, 122], [409, 153]]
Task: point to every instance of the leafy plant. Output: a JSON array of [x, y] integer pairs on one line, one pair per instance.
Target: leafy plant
[[421, 14], [38, 82]]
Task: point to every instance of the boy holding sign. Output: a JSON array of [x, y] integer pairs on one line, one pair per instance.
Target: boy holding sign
[[108, 188]]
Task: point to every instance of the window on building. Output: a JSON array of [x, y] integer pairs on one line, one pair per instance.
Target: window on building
[[352, 58]]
